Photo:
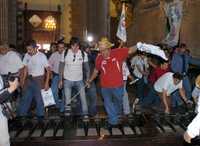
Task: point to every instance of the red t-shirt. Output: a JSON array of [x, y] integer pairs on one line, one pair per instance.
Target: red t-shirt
[[156, 74], [111, 68]]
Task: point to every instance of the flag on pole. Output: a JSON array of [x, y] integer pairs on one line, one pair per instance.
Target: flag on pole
[[121, 30]]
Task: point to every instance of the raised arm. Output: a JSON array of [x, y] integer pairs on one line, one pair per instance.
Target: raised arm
[[132, 50]]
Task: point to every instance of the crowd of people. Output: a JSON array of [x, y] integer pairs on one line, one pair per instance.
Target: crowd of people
[[159, 75]]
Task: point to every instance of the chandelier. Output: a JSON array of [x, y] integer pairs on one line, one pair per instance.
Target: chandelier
[[50, 23]]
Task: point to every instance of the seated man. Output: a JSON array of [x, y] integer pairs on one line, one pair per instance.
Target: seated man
[[166, 85]]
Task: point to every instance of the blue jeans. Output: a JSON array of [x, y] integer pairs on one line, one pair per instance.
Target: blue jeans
[[151, 99], [32, 91], [126, 105], [79, 86], [91, 94], [176, 99], [113, 98], [55, 90]]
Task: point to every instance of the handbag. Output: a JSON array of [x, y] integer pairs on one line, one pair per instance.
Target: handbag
[[47, 97]]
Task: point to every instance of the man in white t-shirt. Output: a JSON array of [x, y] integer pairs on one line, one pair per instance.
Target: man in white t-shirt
[[34, 79], [166, 85], [75, 65], [54, 62], [10, 62]]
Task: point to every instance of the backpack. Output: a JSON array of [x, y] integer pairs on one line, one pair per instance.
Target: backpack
[[82, 53]]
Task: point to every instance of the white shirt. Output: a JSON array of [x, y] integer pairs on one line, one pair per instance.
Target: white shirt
[[142, 63], [125, 71], [54, 61], [36, 64], [165, 82], [10, 62], [196, 92], [151, 49], [193, 129], [73, 70]]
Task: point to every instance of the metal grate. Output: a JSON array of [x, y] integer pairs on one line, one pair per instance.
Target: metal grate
[[139, 125]]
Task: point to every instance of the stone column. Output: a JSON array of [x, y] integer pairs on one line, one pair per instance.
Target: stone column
[[12, 19], [4, 21], [66, 27]]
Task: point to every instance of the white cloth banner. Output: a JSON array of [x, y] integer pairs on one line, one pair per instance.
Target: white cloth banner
[[121, 30], [174, 13], [47, 97]]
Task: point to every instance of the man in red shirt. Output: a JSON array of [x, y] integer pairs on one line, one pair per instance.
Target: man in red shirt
[[109, 65], [158, 71]]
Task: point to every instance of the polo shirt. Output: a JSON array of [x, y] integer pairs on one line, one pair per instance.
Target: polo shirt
[[54, 61], [111, 68], [36, 64]]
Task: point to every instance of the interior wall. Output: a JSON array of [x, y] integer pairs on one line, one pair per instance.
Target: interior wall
[[79, 17], [65, 26], [190, 30], [43, 4], [149, 21], [149, 25]]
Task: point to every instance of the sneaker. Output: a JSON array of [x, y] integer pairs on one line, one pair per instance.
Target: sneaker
[[85, 118], [67, 113]]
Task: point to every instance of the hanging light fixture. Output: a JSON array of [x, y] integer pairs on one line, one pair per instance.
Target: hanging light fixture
[[50, 21]]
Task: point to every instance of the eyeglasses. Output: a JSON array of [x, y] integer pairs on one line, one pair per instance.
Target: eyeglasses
[[74, 58], [61, 47]]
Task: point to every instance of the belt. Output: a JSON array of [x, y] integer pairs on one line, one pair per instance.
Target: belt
[[55, 74], [33, 78]]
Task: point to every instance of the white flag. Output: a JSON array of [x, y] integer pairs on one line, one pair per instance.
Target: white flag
[[121, 30]]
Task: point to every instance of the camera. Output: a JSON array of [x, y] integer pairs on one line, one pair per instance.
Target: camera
[[10, 77]]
